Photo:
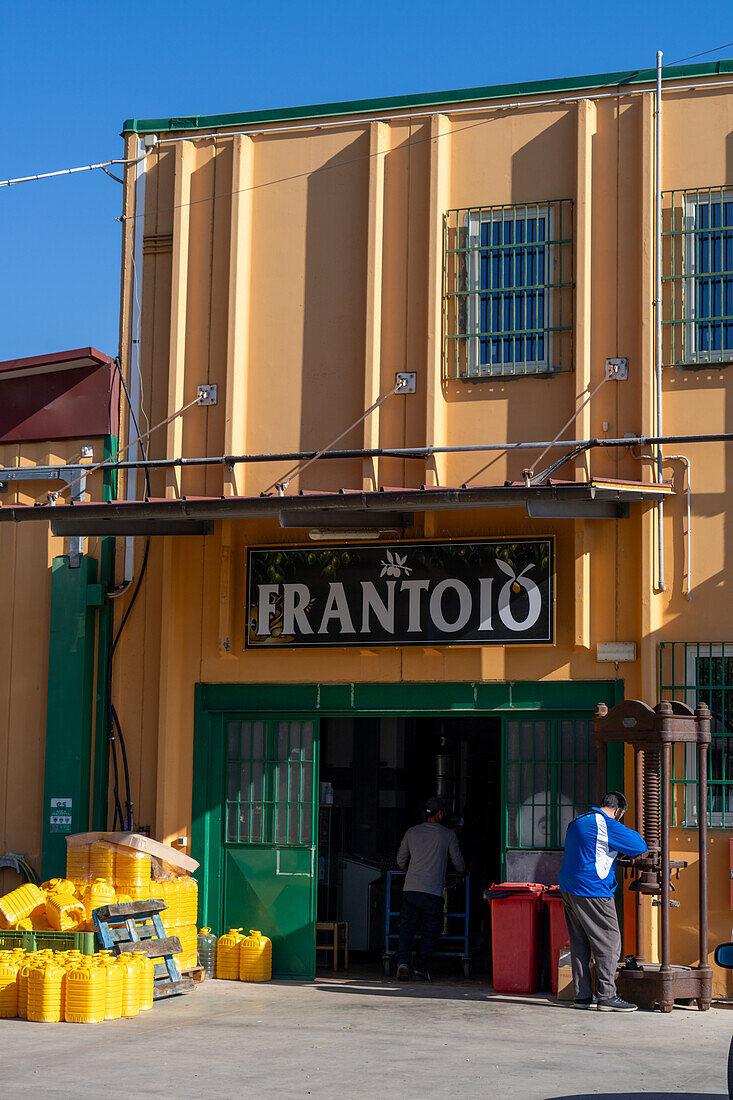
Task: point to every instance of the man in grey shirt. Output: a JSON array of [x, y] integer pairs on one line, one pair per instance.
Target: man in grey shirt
[[424, 855]]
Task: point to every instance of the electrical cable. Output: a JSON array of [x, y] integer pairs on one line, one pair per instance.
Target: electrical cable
[[118, 367], [23, 868], [513, 105], [326, 167], [126, 820], [703, 54], [32, 876], [543, 475], [136, 338], [72, 171], [113, 721]]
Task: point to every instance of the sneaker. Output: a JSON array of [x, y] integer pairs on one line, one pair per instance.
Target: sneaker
[[403, 973], [586, 1002], [420, 976], [616, 1004]]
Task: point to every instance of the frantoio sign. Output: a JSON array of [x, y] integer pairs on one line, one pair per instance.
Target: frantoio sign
[[497, 592]]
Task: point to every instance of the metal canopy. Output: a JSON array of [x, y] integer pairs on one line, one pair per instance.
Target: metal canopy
[[386, 506]]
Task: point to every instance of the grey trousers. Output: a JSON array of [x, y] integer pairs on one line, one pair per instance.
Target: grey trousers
[[593, 930]]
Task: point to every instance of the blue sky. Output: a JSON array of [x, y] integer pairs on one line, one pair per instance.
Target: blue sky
[[71, 72]]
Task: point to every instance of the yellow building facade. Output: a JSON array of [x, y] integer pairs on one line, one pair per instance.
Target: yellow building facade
[[497, 248]]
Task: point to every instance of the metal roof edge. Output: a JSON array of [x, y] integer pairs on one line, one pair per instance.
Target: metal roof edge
[[76, 518], [424, 99]]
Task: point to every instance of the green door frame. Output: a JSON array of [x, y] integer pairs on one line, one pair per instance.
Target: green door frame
[[473, 699]]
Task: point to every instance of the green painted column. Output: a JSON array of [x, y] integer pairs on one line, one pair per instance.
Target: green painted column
[[74, 597]]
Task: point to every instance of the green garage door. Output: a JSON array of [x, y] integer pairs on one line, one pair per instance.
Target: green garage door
[[265, 791]]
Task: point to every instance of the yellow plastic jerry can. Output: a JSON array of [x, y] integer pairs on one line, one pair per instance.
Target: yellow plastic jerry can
[[58, 886], [130, 985], [146, 977], [45, 993], [8, 989], [64, 912], [113, 979], [85, 995], [20, 903], [23, 973], [99, 892], [227, 955], [132, 868], [77, 861], [255, 958], [101, 861]]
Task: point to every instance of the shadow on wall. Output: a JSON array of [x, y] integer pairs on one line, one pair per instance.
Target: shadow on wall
[[334, 317], [710, 486], [525, 408]]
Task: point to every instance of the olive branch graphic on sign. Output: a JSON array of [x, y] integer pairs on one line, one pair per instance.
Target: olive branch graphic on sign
[[515, 577], [395, 566]]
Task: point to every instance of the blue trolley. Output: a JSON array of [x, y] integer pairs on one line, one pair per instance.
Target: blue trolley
[[454, 938]]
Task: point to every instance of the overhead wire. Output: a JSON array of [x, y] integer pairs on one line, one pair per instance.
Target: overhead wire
[[255, 131], [103, 165], [309, 172], [704, 53]]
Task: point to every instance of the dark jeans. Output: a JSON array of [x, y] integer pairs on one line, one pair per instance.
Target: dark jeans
[[423, 912]]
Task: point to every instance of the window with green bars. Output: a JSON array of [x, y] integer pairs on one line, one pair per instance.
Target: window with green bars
[[692, 673], [550, 778], [697, 276], [270, 782], [508, 290]]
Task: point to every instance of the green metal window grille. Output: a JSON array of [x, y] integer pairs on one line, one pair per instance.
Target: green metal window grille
[[508, 290], [550, 769], [697, 277], [692, 673], [270, 777]]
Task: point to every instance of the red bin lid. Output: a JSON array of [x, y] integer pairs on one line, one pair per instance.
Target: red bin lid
[[509, 888]]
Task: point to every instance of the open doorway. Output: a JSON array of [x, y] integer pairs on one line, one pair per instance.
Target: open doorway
[[375, 775]]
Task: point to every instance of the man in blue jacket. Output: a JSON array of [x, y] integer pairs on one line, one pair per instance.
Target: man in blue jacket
[[587, 884]]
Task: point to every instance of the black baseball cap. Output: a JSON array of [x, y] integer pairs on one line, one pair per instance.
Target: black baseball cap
[[435, 805]]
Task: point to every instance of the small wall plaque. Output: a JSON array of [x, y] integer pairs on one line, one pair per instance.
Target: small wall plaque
[[616, 651]]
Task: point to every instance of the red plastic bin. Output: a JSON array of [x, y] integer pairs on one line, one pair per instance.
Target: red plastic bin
[[559, 937], [516, 933]]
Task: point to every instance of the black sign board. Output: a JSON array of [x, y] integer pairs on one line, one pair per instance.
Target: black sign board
[[494, 592]]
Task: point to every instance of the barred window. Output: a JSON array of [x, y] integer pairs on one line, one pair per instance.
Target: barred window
[[270, 781], [508, 290], [692, 673], [697, 276], [550, 778]]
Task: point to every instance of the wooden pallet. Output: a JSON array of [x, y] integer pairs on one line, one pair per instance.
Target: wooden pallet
[[122, 929], [197, 974]]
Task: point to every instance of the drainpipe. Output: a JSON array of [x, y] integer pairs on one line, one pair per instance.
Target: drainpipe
[[685, 459], [658, 317]]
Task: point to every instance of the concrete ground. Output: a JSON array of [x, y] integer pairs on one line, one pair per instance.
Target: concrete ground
[[368, 1038]]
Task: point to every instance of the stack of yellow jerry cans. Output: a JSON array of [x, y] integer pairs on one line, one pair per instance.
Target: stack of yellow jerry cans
[[55, 986], [244, 958], [100, 872], [179, 918]]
